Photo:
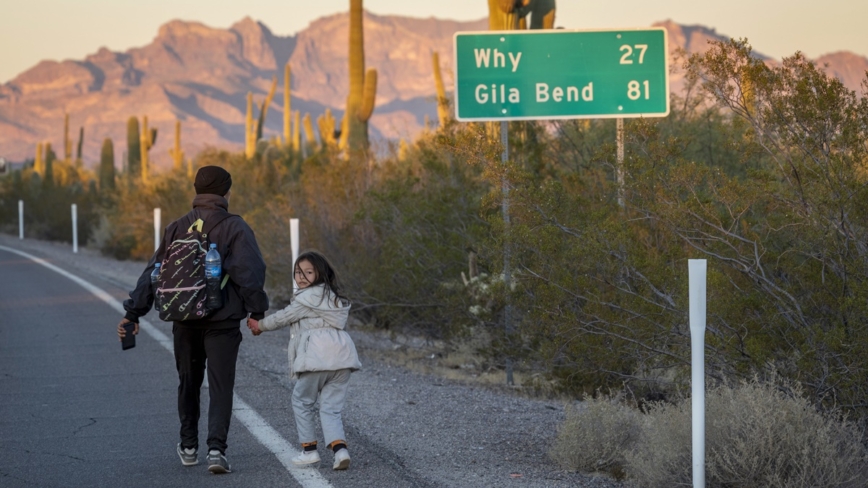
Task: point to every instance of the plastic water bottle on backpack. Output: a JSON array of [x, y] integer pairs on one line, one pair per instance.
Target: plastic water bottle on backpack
[[155, 276], [213, 273]]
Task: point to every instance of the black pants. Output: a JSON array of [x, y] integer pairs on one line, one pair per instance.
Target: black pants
[[194, 348]]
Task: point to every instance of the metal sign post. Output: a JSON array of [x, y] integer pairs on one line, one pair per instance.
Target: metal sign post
[[507, 271], [619, 170]]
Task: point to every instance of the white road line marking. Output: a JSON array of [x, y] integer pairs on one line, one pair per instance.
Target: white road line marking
[[261, 430], [265, 434]]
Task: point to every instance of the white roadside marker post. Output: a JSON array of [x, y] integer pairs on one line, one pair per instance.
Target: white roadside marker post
[[697, 273], [157, 226], [293, 239], [21, 219], [74, 228]]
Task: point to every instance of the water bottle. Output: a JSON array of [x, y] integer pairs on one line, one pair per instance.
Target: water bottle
[[213, 272], [155, 275]]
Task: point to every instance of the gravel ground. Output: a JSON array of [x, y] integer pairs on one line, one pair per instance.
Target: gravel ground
[[432, 430]]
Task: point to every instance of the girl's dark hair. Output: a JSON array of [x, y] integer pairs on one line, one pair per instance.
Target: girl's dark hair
[[325, 273]]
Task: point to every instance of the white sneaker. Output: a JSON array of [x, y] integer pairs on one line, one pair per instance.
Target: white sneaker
[[305, 458], [342, 459]]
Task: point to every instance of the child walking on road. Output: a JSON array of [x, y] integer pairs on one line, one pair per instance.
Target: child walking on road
[[321, 356]]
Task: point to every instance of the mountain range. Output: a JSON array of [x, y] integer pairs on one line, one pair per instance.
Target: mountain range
[[201, 76]]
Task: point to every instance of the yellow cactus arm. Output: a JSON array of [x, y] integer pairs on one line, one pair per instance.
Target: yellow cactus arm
[[67, 142], [176, 152], [39, 162], [249, 132], [296, 132], [287, 107], [144, 147], [542, 14], [308, 130], [268, 100], [442, 102], [326, 123], [370, 95]]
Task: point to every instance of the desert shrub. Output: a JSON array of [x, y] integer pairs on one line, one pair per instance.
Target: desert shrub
[[596, 435], [126, 230], [47, 203], [757, 434], [422, 217]]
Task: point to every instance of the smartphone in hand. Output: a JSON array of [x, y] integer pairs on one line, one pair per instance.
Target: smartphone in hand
[[129, 340]]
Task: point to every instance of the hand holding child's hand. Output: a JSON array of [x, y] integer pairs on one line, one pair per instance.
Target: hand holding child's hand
[[253, 325]]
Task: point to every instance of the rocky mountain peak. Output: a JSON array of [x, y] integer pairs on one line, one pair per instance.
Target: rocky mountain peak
[[201, 76], [175, 30], [255, 47]]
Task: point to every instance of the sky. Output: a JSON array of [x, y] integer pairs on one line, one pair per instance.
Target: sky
[[34, 30]]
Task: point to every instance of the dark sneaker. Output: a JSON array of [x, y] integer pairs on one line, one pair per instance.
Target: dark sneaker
[[189, 457], [217, 462]]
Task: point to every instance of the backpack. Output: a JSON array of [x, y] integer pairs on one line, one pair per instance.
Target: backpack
[[181, 293]]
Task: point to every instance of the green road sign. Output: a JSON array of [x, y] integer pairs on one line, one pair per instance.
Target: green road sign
[[561, 74]]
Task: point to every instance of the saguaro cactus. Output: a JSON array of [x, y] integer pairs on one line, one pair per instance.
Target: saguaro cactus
[[326, 124], [263, 111], [107, 166], [176, 152], [67, 142], [309, 137], [249, 131], [78, 160], [146, 142], [253, 128], [542, 14], [39, 161], [511, 14], [503, 15], [50, 157], [134, 152], [287, 110], [296, 132], [363, 86], [442, 102]]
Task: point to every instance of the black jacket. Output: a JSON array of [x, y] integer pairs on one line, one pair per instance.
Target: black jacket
[[242, 261]]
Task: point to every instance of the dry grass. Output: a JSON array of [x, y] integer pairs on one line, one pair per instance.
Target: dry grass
[[595, 436], [756, 436]]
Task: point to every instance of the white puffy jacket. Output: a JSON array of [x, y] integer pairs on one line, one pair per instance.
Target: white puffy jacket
[[318, 339]]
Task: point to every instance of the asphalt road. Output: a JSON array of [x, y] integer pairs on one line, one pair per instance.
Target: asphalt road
[[76, 410]]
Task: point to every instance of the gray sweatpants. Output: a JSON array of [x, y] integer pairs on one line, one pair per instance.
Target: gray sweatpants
[[331, 387]]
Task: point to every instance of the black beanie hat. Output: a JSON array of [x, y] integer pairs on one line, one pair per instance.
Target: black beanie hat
[[212, 179]]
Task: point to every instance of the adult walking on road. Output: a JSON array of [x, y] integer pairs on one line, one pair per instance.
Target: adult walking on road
[[210, 342]]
